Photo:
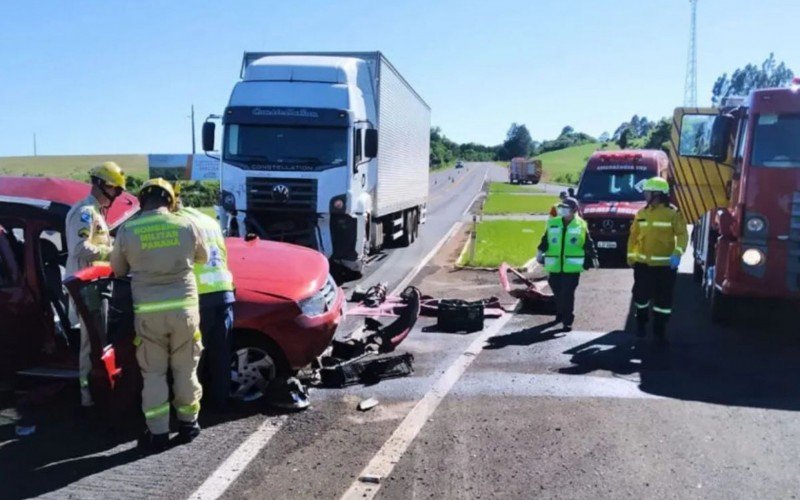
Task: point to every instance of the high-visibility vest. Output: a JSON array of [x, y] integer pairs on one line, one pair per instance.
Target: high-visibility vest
[[213, 276], [565, 253]]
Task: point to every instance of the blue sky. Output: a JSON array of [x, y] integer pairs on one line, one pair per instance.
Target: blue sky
[[93, 77]]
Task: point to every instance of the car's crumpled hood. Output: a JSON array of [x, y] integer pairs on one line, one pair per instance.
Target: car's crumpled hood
[[279, 270]]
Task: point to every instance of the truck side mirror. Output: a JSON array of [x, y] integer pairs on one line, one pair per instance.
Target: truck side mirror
[[209, 129], [371, 143], [720, 137]]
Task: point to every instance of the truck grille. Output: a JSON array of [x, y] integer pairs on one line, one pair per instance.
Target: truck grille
[[285, 195]]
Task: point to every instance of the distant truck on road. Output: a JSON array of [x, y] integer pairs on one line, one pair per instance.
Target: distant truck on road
[[327, 150], [736, 172], [524, 171], [609, 196]]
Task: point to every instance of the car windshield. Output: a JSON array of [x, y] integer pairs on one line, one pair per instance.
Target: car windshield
[[319, 146], [611, 186], [776, 142]]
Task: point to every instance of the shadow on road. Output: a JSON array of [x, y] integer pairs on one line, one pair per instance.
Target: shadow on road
[[754, 363], [68, 447], [526, 337]]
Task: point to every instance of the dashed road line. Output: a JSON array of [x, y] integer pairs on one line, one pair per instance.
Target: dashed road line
[[395, 447]]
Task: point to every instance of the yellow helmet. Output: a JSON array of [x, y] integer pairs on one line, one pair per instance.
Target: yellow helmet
[[165, 187], [110, 173]]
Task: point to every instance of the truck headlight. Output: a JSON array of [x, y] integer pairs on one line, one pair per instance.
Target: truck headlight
[[755, 224], [753, 257], [314, 305]]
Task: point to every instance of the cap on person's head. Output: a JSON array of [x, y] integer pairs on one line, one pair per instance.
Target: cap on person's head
[[571, 192], [570, 203], [562, 194]]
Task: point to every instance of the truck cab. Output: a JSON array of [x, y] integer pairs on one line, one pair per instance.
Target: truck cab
[[609, 195], [303, 160], [737, 169]]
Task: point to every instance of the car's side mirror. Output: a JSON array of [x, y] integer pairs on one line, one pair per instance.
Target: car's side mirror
[[209, 129], [720, 137], [371, 143]]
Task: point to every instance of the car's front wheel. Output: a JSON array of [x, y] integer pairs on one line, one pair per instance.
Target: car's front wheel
[[253, 367]]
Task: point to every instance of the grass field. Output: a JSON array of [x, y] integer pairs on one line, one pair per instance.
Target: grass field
[[569, 161], [507, 203], [504, 187], [511, 241], [70, 167]]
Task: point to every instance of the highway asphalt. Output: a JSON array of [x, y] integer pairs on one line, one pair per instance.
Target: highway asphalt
[[519, 410]]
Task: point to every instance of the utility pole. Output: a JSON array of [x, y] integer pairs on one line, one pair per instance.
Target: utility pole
[[34, 144], [690, 88], [193, 140]]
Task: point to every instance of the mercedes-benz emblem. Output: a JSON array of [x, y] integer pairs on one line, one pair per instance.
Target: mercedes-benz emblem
[[608, 224], [280, 193]]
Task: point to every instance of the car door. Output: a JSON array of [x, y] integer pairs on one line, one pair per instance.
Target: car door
[[23, 321]]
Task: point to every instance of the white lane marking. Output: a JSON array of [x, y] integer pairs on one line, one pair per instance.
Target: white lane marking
[[395, 447], [405, 281], [221, 479], [237, 462]]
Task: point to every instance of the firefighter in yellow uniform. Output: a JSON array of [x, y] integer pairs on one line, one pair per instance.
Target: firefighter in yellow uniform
[[657, 240], [159, 250], [88, 241]]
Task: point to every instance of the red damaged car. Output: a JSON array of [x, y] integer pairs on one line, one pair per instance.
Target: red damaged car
[[286, 313]]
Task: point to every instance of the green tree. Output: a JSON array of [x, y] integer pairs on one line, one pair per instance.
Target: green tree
[[744, 80], [659, 137], [518, 142], [625, 138]]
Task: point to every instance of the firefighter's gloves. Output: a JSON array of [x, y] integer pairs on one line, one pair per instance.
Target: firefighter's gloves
[[674, 261]]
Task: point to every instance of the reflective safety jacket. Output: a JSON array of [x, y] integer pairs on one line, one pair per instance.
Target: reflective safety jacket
[[87, 235], [212, 276], [657, 233], [566, 247], [159, 250]]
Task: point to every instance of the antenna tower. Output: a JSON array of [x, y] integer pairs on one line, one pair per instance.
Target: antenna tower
[[690, 88]]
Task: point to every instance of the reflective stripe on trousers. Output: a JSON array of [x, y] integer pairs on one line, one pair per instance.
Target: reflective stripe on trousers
[[157, 411], [165, 305]]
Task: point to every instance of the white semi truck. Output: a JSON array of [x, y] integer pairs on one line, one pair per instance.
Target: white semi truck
[[327, 150]]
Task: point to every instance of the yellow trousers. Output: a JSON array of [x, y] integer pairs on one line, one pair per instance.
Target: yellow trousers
[[169, 340]]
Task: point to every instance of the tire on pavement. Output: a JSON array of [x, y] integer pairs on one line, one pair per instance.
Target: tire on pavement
[[255, 362]]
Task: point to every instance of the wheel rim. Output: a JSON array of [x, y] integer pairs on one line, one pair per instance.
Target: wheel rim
[[252, 369]]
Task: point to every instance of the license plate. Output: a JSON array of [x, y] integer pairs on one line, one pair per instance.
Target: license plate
[[606, 244]]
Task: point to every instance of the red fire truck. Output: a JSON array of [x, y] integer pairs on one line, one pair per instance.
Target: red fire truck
[[736, 172], [609, 195]]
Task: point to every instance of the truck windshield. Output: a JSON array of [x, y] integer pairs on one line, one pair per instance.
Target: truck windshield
[[286, 145], [611, 186], [776, 142]]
